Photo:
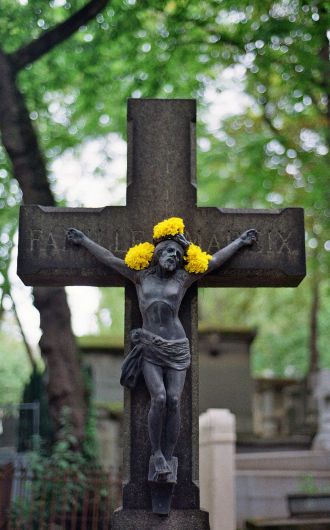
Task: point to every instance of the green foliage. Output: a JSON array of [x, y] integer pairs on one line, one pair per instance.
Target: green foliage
[[60, 482], [63, 452], [111, 312], [115, 408], [10, 196], [14, 364]]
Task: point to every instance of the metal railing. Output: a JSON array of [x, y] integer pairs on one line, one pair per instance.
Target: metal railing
[[58, 500]]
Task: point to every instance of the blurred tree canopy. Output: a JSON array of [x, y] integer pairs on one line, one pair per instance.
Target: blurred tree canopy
[[273, 151], [14, 363]]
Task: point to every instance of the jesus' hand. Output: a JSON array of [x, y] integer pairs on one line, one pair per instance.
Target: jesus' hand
[[75, 236], [249, 236]]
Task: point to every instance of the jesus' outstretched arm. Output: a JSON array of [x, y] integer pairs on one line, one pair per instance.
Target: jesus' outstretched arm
[[220, 257], [247, 238], [101, 254]]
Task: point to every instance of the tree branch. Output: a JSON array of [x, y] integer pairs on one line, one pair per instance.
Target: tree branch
[[20, 140], [35, 49]]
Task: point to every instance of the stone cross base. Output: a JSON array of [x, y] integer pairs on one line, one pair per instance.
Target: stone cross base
[[162, 486], [145, 520]]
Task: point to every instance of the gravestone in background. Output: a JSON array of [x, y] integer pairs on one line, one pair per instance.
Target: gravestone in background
[[104, 365], [103, 360], [225, 376]]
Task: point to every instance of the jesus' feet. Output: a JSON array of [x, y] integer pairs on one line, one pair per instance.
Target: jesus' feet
[[161, 466]]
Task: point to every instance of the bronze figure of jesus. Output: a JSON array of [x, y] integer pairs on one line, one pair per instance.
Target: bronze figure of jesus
[[161, 349]]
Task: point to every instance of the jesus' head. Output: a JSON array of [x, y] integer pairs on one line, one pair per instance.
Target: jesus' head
[[169, 254]]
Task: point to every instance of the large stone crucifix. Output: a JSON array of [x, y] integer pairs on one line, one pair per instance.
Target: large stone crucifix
[[161, 183]]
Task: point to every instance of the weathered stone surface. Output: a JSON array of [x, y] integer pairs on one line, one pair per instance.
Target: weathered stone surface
[[145, 520], [161, 182], [277, 259]]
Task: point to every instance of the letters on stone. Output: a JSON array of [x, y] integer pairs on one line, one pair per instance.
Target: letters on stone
[[272, 242]]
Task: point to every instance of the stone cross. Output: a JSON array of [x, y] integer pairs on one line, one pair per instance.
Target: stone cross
[[161, 183]]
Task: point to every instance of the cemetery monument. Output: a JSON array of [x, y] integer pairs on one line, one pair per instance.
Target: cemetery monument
[[161, 184]]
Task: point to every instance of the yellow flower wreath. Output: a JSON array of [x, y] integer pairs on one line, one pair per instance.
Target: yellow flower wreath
[[197, 260], [140, 256], [168, 227]]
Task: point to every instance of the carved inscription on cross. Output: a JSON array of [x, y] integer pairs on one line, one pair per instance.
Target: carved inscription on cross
[[161, 183]]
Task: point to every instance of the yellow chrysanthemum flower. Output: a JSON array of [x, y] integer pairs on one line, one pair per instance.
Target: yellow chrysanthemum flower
[[139, 256], [197, 260], [169, 227]]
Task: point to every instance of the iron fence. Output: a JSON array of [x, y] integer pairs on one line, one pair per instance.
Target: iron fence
[[61, 500]]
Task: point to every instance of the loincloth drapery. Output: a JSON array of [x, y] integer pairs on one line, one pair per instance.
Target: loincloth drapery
[[173, 354]]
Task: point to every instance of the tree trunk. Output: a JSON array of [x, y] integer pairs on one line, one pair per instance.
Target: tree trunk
[[58, 346]]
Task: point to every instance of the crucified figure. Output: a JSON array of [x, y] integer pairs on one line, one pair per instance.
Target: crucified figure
[[161, 349]]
